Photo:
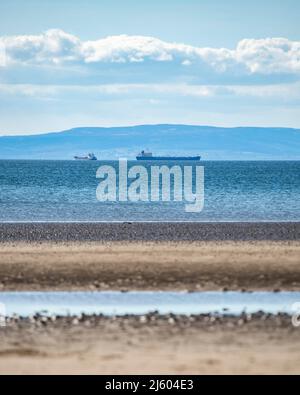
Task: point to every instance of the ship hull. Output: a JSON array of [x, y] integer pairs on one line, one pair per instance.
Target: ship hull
[[169, 158], [78, 158]]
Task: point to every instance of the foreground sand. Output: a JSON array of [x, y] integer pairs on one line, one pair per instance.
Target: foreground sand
[[166, 345], [198, 265], [264, 345]]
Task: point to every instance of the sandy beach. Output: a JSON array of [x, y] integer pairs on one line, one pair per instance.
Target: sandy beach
[[193, 266], [151, 344], [150, 257]]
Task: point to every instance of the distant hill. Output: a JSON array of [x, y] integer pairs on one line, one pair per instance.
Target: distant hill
[[212, 143]]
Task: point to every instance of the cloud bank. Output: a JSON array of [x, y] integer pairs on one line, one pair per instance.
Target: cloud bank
[[57, 79], [265, 57]]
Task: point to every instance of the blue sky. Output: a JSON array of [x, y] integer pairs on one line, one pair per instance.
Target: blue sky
[[102, 63]]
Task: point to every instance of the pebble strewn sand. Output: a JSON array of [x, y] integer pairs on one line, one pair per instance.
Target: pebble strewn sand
[[62, 232], [151, 344]]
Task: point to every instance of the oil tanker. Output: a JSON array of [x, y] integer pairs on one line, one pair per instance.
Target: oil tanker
[[143, 155]]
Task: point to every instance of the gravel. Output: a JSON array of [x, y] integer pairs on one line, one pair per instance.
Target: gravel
[[143, 231]]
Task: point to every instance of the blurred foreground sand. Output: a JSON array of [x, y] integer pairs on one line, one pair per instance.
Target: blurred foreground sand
[[259, 346], [126, 346], [150, 266]]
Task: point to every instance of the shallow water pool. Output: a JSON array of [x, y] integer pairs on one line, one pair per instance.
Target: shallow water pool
[[143, 302]]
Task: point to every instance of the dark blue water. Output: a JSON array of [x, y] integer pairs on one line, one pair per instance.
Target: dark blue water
[[66, 191]]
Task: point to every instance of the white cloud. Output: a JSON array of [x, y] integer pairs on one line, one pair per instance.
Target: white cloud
[[282, 93], [54, 46], [270, 56], [2, 55], [124, 49]]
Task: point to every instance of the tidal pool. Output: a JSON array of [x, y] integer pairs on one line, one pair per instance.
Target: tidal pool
[[143, 302]]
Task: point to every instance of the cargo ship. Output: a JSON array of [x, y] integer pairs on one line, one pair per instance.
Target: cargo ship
[[89, 156], [143, 155]]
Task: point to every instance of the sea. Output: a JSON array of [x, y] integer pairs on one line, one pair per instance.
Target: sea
[[65, 191]]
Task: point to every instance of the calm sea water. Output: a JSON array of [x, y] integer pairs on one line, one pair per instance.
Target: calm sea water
[[66, 191]]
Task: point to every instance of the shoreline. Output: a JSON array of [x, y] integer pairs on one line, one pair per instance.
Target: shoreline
[[148, 231]]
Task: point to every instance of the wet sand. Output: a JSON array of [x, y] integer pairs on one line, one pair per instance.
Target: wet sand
[[133, 265], [151, 344]]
